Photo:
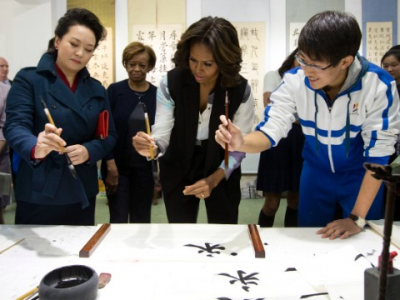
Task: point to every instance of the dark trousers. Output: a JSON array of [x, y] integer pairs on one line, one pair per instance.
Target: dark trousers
[[133, 199], [222, 206], [70, 214]]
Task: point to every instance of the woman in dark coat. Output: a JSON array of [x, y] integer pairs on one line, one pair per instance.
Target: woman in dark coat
[[46, 190]]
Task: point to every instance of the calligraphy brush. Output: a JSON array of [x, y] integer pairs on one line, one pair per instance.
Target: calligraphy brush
[[153, 161], [16, 243], [226, 157], [50, 119], [29, 294]]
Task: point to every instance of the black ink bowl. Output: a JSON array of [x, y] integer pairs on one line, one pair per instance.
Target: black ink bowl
[[69, 283]]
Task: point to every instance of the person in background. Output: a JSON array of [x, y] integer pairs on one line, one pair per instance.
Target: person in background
[[391, 62], [4, 155], [190, 99], [279, 168], [14, 158], [4, 68], [47, 192], [128, 175], [349, 112]]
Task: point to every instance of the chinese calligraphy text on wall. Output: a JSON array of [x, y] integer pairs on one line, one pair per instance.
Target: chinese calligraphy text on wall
[[163, 39], [379, 40], [252, 42], [294, 33], [101, 64]]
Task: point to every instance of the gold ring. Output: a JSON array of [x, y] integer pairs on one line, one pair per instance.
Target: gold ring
[[202, 195]]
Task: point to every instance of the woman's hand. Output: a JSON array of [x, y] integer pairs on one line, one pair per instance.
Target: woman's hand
[[77, 153], [202, 189], [142, 142], [49, 140]]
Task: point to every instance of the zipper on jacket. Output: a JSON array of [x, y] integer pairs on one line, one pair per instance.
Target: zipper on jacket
[[329, 141]]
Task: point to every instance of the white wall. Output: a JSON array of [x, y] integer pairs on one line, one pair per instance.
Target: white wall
[[121, 37], [27, 25], [25, 29]]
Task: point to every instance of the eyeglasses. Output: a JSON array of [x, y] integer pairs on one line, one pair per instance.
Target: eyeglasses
[[304, 64]]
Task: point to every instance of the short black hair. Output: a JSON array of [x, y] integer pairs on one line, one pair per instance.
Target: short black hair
[[395, 52], [395, 47], [79, 16], [330, 36]]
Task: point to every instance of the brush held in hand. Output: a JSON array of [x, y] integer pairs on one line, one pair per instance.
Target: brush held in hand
[[51, 121], [226, 155]]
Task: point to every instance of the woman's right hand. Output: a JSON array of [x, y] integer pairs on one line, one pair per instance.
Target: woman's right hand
[[49, 140], [142, 142]]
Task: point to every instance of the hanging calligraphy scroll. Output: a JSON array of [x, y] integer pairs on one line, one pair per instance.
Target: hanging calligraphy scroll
[[163, 39], [101, 64], [379, 40], [294, 33], [252, 42]]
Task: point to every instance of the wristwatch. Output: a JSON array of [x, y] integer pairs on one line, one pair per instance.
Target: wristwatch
[[360, 222]]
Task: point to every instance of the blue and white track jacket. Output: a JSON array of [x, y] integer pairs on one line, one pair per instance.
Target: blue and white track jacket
[[361, 126]]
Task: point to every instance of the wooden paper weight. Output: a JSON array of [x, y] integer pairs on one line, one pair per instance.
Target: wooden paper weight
[[256, 240], [95, 240]]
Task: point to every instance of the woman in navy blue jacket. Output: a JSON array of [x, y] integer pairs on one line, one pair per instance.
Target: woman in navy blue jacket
[[46, 191]]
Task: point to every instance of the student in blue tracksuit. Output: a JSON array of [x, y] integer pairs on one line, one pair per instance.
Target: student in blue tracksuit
[[349, 112]]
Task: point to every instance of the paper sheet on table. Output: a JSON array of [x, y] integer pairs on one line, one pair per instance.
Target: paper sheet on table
[[378, 226], [192, 241], [337, 272], [45, 241], [199, 281]]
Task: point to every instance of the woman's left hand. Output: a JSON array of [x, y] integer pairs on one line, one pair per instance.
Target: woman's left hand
[[342, 229], [77, 153], [201, 189]]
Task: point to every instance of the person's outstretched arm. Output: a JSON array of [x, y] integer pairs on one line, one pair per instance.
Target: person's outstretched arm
[[229, 133]]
